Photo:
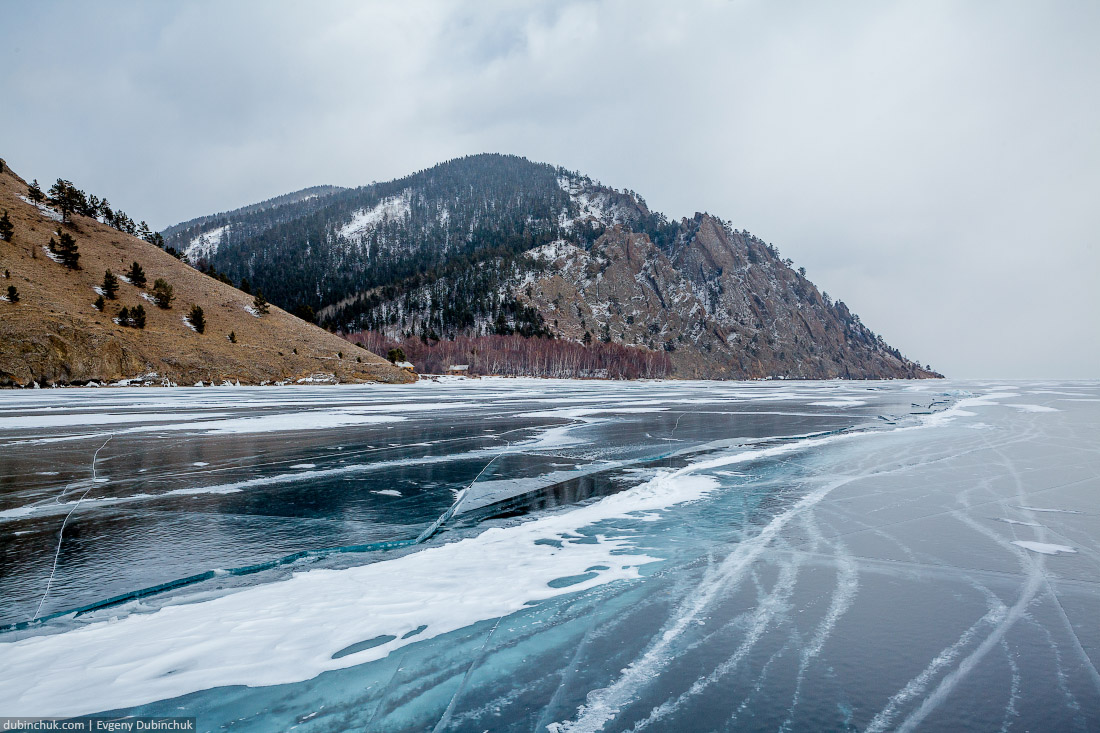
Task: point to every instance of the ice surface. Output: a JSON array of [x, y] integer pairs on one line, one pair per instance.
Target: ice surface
[[323, 612], [690, 556]]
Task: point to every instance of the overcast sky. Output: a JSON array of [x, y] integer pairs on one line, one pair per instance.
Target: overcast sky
[[934, 165]]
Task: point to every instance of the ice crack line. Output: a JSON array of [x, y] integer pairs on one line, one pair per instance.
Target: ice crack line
[[61, 534], [427, 534]]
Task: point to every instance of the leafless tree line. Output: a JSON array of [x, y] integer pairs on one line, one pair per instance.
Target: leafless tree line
[[516, 356]]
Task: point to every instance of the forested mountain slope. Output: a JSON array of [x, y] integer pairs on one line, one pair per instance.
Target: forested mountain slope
[[495, 244]]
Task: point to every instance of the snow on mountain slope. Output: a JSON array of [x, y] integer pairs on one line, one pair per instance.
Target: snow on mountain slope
[[392, 208], [205, 245]]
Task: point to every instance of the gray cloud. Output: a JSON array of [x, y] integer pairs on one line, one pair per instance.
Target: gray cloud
[[935, 165]]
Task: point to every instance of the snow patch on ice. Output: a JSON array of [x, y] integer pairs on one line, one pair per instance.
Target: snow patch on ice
[[1044, 548], [1032, 408], [1017, 521], [1040, 509], [31, 422], [387, 492]]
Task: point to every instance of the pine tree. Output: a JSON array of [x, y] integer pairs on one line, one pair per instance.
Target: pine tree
[[232, 337], [245, 286], [110, 285], [13, 294], [305, 312], [34, 193], [124, 316], [6, 227], [63, 195], [162, 293], [67, 250], [99, 303], [137, 316], [260, 304], [136, 275], [196, 319]]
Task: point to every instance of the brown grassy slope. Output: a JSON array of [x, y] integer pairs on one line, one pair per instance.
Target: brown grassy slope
[[54, 335]]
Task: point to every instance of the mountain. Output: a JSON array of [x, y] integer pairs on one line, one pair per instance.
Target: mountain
[[496, 244], [54, 334]]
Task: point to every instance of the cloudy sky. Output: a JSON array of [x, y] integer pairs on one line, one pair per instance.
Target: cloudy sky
[[935, 165]]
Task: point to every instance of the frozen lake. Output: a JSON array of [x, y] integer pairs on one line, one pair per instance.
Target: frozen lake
[[554, 555]]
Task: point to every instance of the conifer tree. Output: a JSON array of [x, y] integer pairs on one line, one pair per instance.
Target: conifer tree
[[99, 303], [137, 316], [67, 250], [196, 319], [136, 275], [63, 196], [260, 304], [34, 193], [232, 337], [13, 294], [246, 287], [305, 312], [110, 285], [124, 316], [162, 293], [6, 227]]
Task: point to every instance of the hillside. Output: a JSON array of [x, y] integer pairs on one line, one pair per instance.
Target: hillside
[[54, 334], [496, 245]]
